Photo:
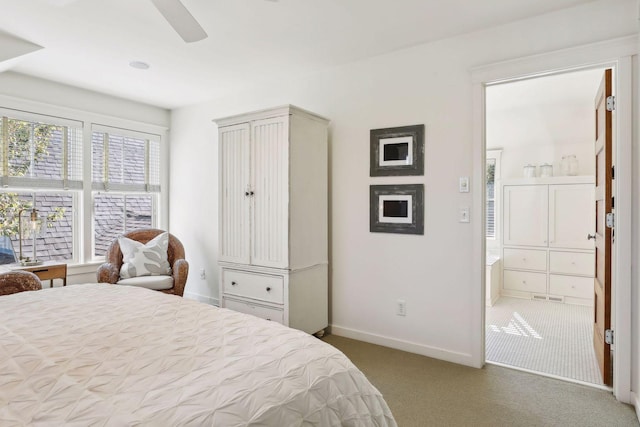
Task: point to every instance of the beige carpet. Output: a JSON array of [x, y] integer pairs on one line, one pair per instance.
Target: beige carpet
[[427, 392]]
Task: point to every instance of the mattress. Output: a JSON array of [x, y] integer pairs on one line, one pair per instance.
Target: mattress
[[109, 355]]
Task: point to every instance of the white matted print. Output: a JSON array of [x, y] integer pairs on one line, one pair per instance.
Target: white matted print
[[395, 208], [396, 151]]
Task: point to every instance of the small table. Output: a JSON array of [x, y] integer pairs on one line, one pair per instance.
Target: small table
[[47, 271]]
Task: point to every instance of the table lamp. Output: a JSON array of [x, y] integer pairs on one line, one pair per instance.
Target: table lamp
[[34, 227]]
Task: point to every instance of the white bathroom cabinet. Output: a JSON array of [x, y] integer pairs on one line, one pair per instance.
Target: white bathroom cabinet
[[547, 253], [273, 216]]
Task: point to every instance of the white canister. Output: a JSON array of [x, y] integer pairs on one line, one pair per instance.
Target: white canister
[[569, 165], [546, 170], [529, 171]]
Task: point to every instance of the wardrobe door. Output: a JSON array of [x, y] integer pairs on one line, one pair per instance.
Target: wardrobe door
[[234, 197], [571, 216], [525, 215], [270, 199]]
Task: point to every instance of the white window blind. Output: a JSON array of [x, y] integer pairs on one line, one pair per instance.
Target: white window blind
[[124, 160], [492, 201], [39, 151]]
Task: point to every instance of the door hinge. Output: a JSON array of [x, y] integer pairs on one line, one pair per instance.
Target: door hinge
[[610, 220], [611, 103], [608, 336]]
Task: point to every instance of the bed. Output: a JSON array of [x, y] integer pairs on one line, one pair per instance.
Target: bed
[[106, 355]]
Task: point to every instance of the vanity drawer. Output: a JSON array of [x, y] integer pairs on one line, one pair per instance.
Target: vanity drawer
[[267, 313], [572, 263], [571, 286], [258, 286], [526, 259], [525, 281]]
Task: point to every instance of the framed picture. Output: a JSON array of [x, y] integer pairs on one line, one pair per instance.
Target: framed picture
[[396, 209], [397, 151]]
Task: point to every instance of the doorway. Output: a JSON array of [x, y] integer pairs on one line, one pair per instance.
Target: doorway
[[539, 212]]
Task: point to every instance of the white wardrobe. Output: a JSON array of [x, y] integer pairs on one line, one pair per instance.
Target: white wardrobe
[[273, 216], [548, 251]]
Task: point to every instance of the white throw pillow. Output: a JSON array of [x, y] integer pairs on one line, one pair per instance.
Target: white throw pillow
[[139, 259]]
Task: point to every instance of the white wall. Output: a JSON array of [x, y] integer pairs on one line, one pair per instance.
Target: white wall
[[61, 95], [428, 84]]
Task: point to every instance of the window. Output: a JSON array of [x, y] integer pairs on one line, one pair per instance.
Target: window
[[492, 178], [126, 183], [41, 168]]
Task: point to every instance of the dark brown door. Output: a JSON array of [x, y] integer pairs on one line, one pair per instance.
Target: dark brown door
[[602, 282]]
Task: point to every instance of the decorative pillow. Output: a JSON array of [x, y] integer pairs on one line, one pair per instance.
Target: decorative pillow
[[139, 259]]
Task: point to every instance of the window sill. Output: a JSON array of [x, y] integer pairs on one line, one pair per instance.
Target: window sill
[[86, 268]]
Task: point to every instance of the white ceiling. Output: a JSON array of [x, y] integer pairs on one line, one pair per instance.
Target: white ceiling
[[89, 43]]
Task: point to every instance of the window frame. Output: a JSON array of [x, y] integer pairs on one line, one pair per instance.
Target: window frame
[[141, 120], [67, 183], [156, 190], [496, 155]]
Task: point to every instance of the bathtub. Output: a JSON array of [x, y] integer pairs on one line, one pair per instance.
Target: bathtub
[[492, 279]]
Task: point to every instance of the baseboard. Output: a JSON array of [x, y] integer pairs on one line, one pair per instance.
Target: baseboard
[[202, 298], [411, 347], [636, 404]]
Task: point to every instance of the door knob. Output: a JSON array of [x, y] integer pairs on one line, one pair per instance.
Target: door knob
[[591, 236], [268, 289]]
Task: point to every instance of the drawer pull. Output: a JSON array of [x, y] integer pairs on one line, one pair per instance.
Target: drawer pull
[[268, 289], [591, 236], [233, 283], [524, 259]]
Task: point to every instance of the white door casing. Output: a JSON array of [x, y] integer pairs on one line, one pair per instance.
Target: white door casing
[[615, 53]]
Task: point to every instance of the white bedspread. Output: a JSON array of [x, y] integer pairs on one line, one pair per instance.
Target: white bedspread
[[108, 355]]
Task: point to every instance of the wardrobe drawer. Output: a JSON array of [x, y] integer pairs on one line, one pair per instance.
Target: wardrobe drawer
[[525, 281], [263, 312], [571, 286], [263, 287], [527, 259], [572, 263]]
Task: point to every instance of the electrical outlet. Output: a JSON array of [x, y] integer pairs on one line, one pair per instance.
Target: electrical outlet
[[202, 274], [401, 307]]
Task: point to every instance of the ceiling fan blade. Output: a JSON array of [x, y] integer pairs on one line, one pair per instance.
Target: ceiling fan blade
[[181, 20]]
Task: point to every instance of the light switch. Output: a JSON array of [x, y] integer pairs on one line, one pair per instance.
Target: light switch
[[464, 184], [463, 215]]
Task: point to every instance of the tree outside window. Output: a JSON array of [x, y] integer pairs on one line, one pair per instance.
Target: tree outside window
[[34, 151]]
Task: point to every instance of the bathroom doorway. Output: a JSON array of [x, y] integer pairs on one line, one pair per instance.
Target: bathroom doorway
[[539, 218]]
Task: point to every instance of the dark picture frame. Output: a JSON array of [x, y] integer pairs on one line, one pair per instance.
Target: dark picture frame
[[396, 209], [397, 151]]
